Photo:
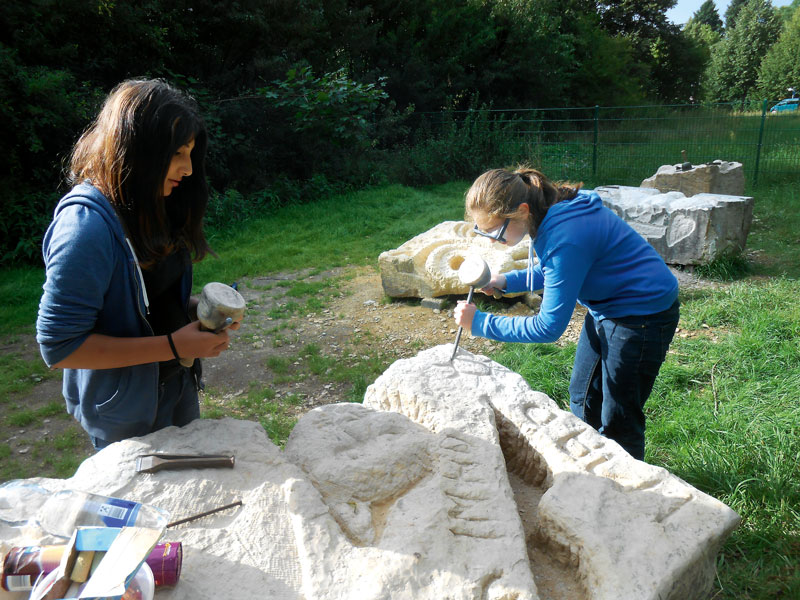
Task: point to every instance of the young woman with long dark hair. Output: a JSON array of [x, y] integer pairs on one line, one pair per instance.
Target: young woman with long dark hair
[[116, 312]]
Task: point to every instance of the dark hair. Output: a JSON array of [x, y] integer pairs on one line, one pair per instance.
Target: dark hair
[[500, 192], [126, 153]]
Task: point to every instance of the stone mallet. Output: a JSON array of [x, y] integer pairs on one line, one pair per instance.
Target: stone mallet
[[475, 273], [219, 306]]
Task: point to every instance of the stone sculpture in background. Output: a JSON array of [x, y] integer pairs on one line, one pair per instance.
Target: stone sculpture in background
[[684, 230], [717, 177], [426, 266], [453, 480]]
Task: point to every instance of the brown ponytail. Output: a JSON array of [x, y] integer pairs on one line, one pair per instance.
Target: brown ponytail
[[499, 192]]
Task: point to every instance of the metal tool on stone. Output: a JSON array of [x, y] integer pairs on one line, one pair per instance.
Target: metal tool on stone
[[685, 165], [150, 463], [475, 273], [204, 514], [219, 307]]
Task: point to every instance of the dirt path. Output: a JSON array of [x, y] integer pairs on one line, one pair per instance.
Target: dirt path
[[356, 324]]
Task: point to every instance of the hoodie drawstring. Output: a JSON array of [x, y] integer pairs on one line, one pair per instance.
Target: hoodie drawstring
[[141, 277]]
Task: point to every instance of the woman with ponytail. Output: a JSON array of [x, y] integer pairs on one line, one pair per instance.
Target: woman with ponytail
[[588, 255], [116, 313]]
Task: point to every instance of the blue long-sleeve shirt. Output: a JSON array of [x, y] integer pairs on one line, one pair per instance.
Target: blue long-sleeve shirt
[[587, 255]]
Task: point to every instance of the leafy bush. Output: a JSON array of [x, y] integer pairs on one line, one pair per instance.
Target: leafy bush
[[461, 146], [231, 208], [42, 111]]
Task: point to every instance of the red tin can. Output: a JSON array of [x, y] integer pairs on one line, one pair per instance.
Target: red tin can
[[165, 561]]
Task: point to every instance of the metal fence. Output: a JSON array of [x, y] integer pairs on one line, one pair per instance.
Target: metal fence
[[625, 144]]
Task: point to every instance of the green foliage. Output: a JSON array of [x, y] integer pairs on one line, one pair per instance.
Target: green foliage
[[461, 145], [678, 63], [605, 65], [733, 69], [732, 12], [702, 35], [303, 99], [780, 68], [786, 12], [707, 14], [328, 121], [331, 106], [41, 109], [646, 56], [639, 19]]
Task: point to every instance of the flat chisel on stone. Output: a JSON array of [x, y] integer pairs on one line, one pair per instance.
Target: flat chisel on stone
[[150, 463]]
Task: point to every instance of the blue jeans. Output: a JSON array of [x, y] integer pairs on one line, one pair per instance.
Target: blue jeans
[[178, 403], [616, 364]]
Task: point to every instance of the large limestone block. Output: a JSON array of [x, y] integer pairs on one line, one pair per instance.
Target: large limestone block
[[684, 230], [717, 177], [620, 528], [241, 553], [453, 480], [426, 266], [407, 513]]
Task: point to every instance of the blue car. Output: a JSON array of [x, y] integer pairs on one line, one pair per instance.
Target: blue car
[[785, 105]]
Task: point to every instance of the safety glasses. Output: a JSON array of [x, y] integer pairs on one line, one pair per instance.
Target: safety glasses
[[497, 234]]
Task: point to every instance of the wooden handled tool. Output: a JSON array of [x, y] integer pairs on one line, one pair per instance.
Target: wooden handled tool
[[475, 273]]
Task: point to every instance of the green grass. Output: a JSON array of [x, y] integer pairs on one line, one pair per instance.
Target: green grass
[[724, 417], [259, 403], [348, 229], [23, 418], [20, 290], [18, 374]]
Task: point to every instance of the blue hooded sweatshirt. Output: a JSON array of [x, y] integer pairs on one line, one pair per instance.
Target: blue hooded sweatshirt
[[94, 285], [587, 254]]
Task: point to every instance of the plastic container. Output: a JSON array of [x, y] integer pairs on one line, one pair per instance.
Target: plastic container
[[28, 506]]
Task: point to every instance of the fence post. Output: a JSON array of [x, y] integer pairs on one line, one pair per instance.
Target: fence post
[[594, 144], [760, 139]]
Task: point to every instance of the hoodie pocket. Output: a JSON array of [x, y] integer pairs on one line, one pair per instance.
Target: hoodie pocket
[[113, 391]]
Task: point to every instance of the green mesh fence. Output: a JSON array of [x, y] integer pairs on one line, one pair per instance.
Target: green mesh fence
[[624, 145]]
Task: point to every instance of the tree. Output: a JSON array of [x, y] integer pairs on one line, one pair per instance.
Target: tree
[[707, 14], [679, 61], [786, 12], [704, 39], [636, 19], [438, 54], [733, 70], [732, 12], [780, 68], [606, 70]]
